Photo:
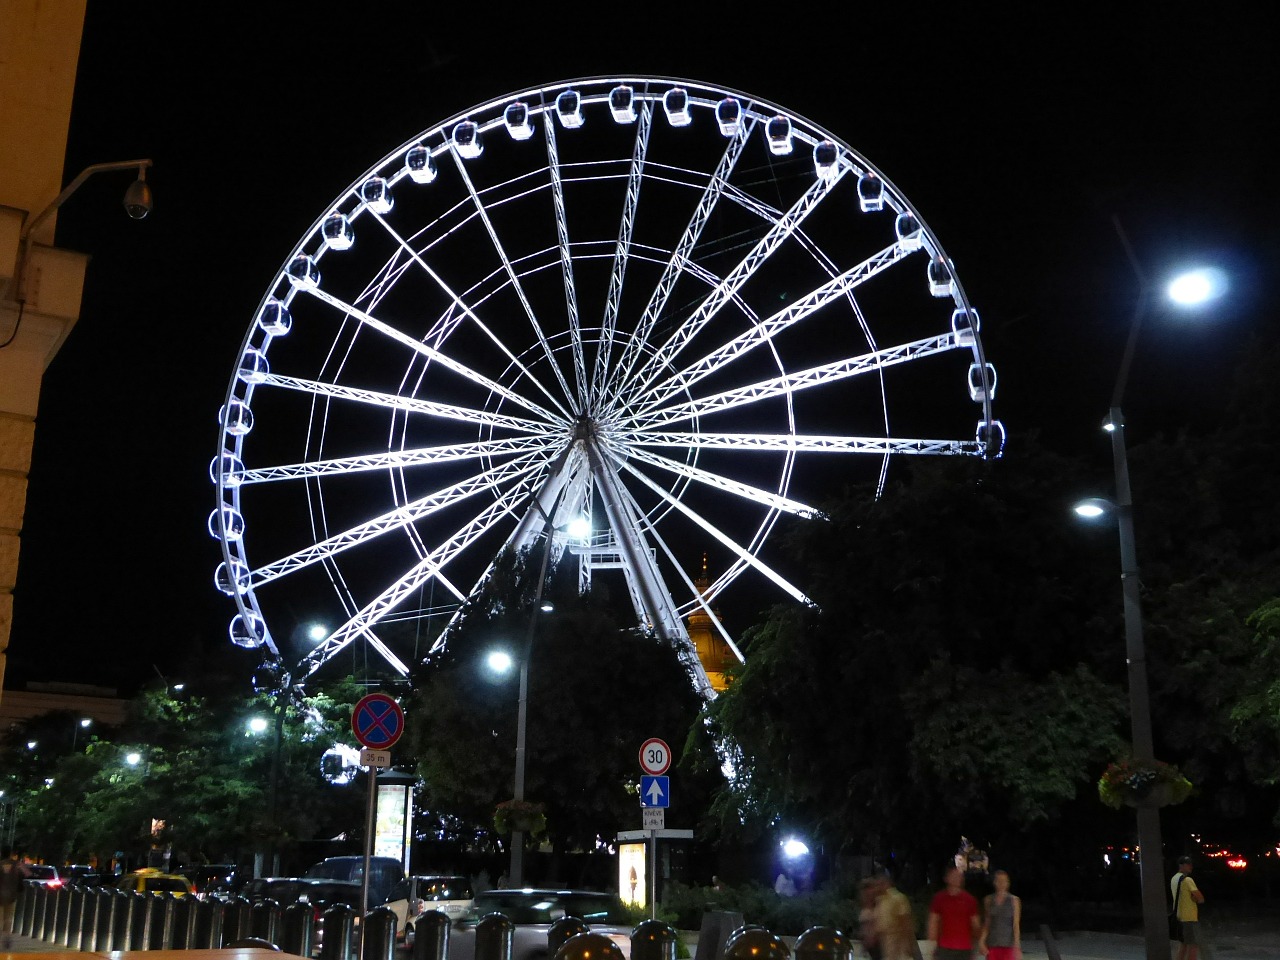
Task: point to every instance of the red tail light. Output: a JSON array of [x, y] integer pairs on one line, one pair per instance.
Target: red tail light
[[55, 883]]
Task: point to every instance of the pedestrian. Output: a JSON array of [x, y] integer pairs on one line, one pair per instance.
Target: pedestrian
[[868, 890], [1186, 907], [895, 924], [1001, 937], [784, 886], [12, 872], [953, 919]]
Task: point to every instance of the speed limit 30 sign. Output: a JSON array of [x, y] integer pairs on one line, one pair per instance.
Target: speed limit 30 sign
[[655, 757]]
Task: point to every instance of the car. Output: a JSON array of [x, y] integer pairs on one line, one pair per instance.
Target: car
[[151, 880], [320, 894], [385, 874], [214, 879], [533, 912], [81, 874], [45, 874], [449, 894]]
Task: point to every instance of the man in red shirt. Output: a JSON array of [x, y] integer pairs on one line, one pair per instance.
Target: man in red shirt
[[953, 919]]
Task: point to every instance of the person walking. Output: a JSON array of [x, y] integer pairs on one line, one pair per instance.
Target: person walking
[[1001, 937], [1186, 907], [895, 925], [12, 872], [868, 935], [953, 919]]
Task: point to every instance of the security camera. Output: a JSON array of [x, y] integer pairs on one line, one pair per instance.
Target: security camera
[[137, 199]]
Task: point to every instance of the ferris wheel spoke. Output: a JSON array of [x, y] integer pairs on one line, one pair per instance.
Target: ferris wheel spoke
[[746, 268], [398, 519], [742, 553], [715, 188], [391, 401], [566, 266], [600, 373], [391, 460], [428, 568], [433, 354], [802, 443], [773, 501], [467, 311], [797, 380], [511, 274], [770, 327]]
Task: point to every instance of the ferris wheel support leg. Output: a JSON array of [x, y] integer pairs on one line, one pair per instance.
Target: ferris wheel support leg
[[654, 599]]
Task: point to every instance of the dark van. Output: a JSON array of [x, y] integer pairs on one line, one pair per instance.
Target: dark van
[[385, 873]]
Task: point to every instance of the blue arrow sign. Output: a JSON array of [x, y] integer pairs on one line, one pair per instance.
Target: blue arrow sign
[[655, 791]]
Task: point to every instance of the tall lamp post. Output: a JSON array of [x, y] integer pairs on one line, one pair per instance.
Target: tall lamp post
[[1187, 289]]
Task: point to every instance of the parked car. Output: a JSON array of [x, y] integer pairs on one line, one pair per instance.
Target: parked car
[[214, 879], [385, 874], [451, 895], [151, 880], [320, 894], [81, 874], [533, 912], [45, 874]]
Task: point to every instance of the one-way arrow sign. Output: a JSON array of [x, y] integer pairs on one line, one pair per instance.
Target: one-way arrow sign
[[655, 791]]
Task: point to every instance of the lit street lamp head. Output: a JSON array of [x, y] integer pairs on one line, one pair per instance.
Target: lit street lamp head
[[1093, 508], [1195, 287], [499, 661]]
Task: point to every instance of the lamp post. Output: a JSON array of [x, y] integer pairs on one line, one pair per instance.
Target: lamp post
[[1187, 291]]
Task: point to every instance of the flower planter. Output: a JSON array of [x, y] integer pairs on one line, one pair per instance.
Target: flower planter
[[1156, 795]]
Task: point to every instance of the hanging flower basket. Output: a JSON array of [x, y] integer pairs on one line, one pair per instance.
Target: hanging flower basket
[[529, 818], [1142, 783]]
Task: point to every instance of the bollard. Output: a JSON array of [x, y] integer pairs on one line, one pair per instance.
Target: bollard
[[655, 940], [208, 925], [75, 916], [823, 943], [378, 935], [139, 925], [180, 923], [589, 946], [33, 907], [755, 943], [89, 919], [105, 927], [62, 914], [430, 936], [162, 921], [494, 934], [298, 930], [562, 930], [335, 934], [235, 919], [120, 929], [264, 920], [54, 895], [22, 906]]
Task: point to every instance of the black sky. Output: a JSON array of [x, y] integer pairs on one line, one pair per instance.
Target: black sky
[[1017, 135]]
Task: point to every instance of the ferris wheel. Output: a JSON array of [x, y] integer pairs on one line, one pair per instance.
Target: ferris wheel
[[631, 320]]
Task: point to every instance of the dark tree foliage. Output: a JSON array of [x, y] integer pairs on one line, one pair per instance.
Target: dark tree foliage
[[597, 689]]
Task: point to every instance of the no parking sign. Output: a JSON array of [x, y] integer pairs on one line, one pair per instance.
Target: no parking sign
[[377, 721]]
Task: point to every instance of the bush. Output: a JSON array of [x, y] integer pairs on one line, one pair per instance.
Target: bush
[[784, 916]]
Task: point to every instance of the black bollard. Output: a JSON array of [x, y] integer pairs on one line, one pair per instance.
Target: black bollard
[[494, 934], [264, 920], [140, 923], [653, 940], [589, 946], [50, 925], [162, 921], [562, 930], [181, 925], [823, 943], [75, 915], [755, 943], [22, 907], [336, 929], [235, 919], [298, 926], [208, 925], [89, 919], [378, 935], [120, 929], [430, 936], [105, 926]]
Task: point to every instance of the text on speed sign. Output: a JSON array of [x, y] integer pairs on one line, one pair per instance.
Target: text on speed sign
[[655, 757]]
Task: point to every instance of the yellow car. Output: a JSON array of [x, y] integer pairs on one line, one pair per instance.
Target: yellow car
[[151, 880]]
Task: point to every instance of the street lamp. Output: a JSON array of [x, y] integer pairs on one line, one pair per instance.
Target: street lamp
[[84, 724], [578, 528], [1187, 289]]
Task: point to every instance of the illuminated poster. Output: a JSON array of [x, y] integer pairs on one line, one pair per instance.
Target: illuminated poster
[[390, 833], [632, 884]]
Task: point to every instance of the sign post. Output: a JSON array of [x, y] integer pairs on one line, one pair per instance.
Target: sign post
[[655, 794], [377, 722]]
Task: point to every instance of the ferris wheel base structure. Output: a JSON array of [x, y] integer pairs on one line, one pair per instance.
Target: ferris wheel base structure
[[665, 308]]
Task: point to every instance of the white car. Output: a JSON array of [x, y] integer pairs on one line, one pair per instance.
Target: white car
[[533, 912], [450, 895]]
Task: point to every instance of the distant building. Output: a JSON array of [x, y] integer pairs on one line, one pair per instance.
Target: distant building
[[714, 653], [100, 704]]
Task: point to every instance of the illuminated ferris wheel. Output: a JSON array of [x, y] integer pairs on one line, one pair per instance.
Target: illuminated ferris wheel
[[616, 318]]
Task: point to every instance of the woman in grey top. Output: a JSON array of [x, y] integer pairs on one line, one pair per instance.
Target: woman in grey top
[[1001, 937]]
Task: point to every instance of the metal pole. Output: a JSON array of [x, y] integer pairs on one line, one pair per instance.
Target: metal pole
[[516, 877], [370, 815], [652, 872], [275, 780]]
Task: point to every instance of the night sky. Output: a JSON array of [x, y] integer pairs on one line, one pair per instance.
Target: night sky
[[1018, 137]]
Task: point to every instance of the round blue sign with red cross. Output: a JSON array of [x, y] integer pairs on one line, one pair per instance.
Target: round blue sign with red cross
[[377, 721]]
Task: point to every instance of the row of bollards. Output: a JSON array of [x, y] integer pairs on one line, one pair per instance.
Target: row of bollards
[[101, 919]]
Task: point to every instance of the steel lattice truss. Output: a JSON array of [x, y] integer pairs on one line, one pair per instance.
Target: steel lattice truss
[[663, 306]]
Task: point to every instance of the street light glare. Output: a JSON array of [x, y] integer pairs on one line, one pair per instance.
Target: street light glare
[[1197, 286], [1090, 509], [133, 759], [317, 632], [579, 528], [500, 661], [257, 725], [794, 848]]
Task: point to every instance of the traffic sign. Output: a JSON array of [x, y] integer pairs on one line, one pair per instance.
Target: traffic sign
[[377, 721], [655, 757], [653, 818], [655, 792], [375, 758]]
